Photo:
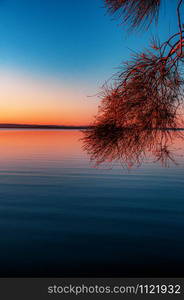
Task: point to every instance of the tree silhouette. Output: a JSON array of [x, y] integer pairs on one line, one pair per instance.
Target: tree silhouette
[[145, 97], [135, 12]]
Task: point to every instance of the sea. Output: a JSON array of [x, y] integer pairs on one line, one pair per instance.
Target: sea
[[61, 215]]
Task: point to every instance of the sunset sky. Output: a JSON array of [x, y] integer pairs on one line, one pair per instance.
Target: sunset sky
[[55, 55]]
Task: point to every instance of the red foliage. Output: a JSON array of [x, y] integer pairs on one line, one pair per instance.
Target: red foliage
[[134, 11], [139, 112]]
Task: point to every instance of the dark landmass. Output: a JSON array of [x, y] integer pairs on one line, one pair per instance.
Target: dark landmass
[[34, 126]]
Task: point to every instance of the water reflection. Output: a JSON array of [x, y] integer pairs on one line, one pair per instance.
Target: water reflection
[[131, 146], [29, 149], [61, 218]]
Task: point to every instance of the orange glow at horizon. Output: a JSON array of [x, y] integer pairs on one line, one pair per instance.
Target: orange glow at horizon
[[20, 143], [23, 149], [18, 147], [26, 100]]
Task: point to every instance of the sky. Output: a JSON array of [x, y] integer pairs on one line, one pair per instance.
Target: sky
[[55, 55]]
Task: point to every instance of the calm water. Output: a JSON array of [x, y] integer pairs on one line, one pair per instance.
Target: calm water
[[60, 216]]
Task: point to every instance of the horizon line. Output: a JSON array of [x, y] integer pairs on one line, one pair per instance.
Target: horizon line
[[56, 126]]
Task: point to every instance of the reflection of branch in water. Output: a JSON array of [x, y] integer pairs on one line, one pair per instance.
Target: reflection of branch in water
[[130, 146], [165, 155]]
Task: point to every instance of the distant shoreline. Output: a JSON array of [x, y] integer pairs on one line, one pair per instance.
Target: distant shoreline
[[27, 126], [57, 127]]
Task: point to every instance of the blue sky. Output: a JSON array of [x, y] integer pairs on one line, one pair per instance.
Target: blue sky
[[74, 42]]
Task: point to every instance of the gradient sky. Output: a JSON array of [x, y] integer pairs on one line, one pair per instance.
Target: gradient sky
[[54, 54]]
